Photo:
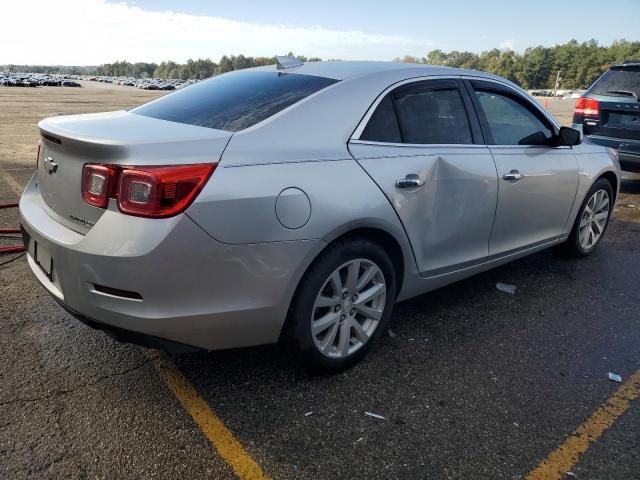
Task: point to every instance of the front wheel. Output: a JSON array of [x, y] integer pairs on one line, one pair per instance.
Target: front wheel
[[592, 220], [342, 305]]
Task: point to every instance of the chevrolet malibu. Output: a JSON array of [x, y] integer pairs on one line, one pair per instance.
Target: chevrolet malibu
[[299, 202]]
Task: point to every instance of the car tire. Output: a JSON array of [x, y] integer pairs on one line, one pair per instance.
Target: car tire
[[592, 219], [326, 295]]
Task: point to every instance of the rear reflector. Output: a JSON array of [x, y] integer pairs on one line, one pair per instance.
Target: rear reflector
[[155, 192], [587, 106], [116, 292]]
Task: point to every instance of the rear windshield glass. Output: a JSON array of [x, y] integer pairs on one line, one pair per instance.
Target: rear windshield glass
[[234, 101], [619, 82]]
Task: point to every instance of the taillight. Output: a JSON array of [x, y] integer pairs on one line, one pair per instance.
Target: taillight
[[160, 191], [97, 184], [587, 106], [145, 191]]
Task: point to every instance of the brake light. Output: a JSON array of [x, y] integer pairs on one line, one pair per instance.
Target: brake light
[[156, 192], [587, 106]]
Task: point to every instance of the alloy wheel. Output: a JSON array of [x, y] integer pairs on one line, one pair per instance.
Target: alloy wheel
[[348, 308], [594, 219]]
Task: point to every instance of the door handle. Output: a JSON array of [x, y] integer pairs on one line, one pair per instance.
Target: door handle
[[410, 181], [513, 176]]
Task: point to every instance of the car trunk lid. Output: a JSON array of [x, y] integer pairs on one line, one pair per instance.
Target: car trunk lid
[[619, 119], [114, 138], [617, 93]]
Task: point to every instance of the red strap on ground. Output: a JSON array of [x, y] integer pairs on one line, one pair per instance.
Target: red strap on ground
[[10, 249]]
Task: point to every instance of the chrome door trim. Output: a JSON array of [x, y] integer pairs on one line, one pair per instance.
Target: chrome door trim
[[418, 145], [530, 147]]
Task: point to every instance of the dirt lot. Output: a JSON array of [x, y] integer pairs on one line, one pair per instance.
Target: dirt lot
[[474, 383]]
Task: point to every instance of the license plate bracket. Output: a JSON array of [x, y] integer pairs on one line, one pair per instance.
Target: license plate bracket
[[43, 259]]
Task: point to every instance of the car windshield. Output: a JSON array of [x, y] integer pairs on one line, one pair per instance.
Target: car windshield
[[234, 101], [619, 82]]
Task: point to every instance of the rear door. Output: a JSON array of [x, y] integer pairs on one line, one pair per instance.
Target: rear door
[[537, 182], [421, 144]]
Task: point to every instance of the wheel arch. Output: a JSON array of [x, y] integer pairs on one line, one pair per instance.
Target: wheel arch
[[386, 241], [400, 257], [613, 179]]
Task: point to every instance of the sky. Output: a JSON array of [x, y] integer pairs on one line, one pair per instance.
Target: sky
[[91, 32]]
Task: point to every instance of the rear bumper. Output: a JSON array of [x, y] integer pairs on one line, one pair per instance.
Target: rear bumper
[[629, 157], [610, 142], [128, 336], [192, 289]]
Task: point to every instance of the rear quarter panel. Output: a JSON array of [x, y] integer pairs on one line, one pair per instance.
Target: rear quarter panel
[[593, 162], [238, 205]]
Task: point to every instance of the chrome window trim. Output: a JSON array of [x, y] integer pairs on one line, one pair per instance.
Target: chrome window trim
[[546, 147], [355, 137], [418, 145]]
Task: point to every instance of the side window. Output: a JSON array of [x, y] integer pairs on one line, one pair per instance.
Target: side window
[[420, 115], [432, 116], [383, 124], [510, 122]]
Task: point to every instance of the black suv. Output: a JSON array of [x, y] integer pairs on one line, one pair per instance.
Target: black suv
[[609, 113]]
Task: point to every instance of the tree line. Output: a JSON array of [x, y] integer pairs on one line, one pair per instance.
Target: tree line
[[192, 69], [537, 67], [579, 64]]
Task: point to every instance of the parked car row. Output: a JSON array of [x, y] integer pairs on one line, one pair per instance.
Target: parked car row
[[35, 80], [143, 83], [10, 79], [545, 92]]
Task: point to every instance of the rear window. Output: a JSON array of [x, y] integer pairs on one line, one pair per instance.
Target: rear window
[[234, 101], [621, 81]]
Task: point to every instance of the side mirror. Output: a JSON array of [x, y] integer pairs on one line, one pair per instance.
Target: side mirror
[[568, 137]]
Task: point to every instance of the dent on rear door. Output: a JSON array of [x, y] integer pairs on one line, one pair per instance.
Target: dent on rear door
[[450, 217]]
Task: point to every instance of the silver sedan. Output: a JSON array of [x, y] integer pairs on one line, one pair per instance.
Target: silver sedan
[[300, 202]]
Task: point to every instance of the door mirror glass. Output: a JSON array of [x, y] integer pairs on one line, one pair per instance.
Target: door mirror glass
[[567, 137]]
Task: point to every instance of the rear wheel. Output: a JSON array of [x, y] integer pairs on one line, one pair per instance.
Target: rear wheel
[[342, 304], [592, 220]]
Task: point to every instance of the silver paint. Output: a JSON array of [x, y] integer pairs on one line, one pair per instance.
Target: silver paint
[[223, 273]]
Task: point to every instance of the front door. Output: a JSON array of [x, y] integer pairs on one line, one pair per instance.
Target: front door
[[537, 181]]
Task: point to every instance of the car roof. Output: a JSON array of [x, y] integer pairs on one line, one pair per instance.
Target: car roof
[[627, 64], [342, 70]]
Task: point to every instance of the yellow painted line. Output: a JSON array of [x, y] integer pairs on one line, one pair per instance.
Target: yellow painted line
[[15, 186], [562, 459], [216, 432]]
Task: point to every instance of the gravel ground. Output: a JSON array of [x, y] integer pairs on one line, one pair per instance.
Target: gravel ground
[[473, 383]]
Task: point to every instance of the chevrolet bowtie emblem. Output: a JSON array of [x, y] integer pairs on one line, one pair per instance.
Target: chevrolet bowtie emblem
[[50, 166]]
